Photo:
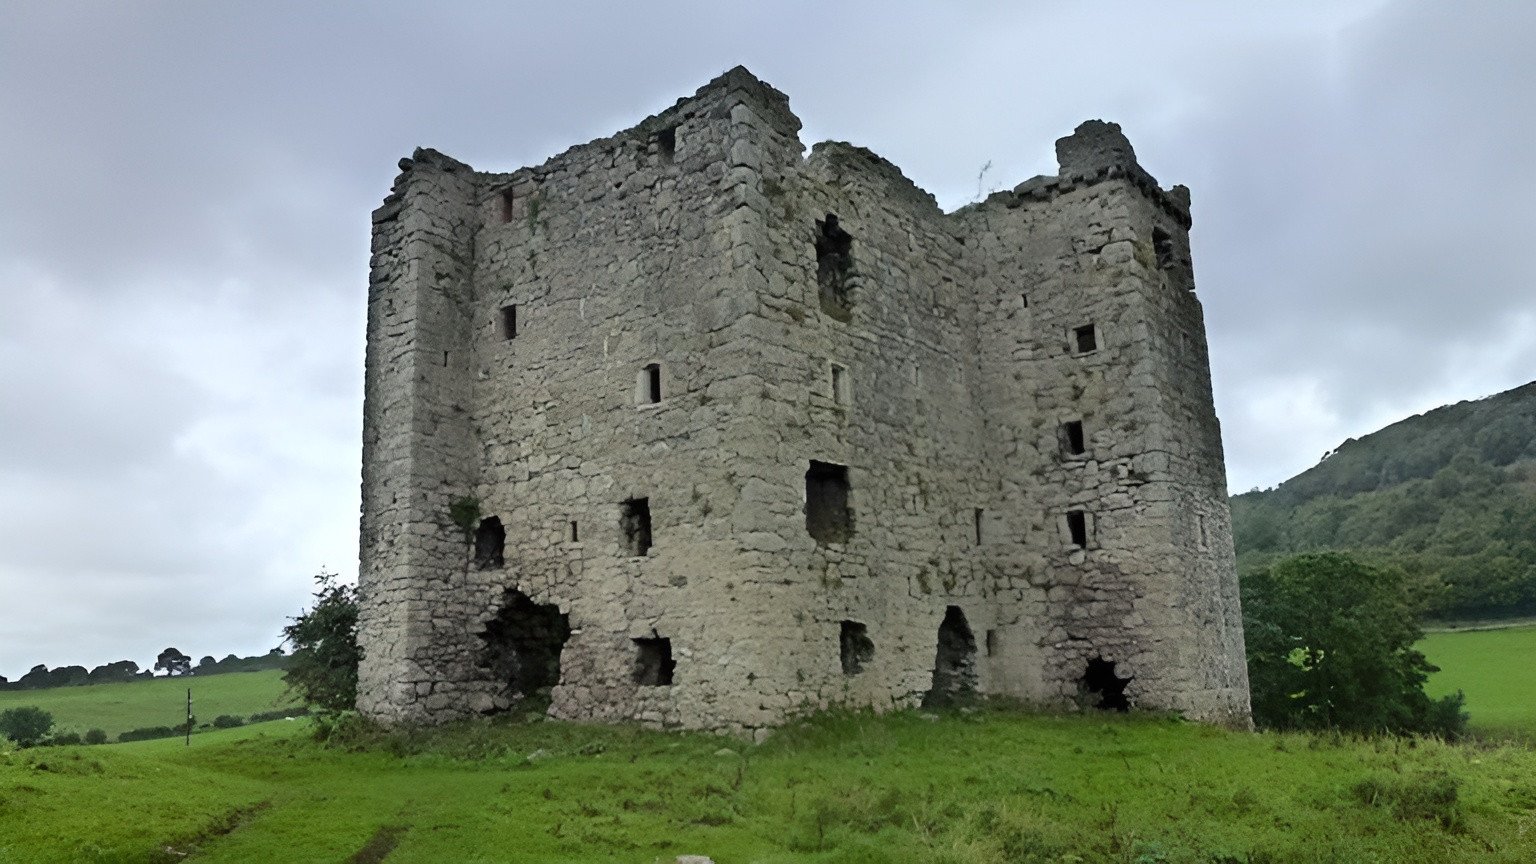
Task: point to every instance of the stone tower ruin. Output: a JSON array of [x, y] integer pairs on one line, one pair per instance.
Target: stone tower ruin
[[686, 428]]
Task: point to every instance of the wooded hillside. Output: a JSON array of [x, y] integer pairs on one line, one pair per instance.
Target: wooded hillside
[[1449, 495]]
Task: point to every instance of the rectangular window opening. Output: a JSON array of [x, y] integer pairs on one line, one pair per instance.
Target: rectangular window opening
[[575, 533], [979, 518], [992, 643], [839, 385], [1024, 300], [1073, 441], [635, 521], [828, 517], [1085, 339], [445, 358], [509, 321], [653, 662], [1162, 245], [508, 204], [854, 647], [834, 266], [1077, 527], [666, 145]]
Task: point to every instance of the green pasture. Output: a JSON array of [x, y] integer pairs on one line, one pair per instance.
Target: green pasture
[[981, 788], [116, 708], [1496, 669]]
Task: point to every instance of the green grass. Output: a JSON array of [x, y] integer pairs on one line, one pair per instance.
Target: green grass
[[1497, 671], [116, 708], [984, 788]]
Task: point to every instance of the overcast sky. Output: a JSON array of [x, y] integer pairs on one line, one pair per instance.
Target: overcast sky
[[184, 232]]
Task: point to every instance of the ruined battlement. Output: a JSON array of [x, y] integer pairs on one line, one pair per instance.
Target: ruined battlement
[[746, 432]]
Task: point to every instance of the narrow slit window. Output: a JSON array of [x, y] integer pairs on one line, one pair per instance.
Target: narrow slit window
[[1085, 339], [508, 204], [1073, 441], [1024, 301], [839, 384], [635, 521], [1077, 528], [650, 385], [978, 518], [653, 662], [666, 145], [992, 643], [828, 517], [445, 358], [509, 321], [575, 533]]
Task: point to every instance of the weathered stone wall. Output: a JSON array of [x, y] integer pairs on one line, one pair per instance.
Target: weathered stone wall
[[417, 448], [939, 375]]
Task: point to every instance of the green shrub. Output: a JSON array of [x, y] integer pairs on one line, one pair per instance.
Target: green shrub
[[1331, 646], [26, 725], [148, 733], [346, 729], [228, 721], [67, 739], [323, 667], [95, 736]]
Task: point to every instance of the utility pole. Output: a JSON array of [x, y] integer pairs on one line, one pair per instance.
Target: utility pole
[[189, 716]]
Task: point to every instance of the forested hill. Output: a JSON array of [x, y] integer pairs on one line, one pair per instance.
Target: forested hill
[[1450, 495]]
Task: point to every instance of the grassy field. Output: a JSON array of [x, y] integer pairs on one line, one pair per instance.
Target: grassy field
[[116, 708], [982, 788], [1497, 671]]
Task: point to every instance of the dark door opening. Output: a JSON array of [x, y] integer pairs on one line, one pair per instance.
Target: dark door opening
[[954, 664], [1103, 688]]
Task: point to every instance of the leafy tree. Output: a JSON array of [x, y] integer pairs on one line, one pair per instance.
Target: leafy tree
[[95, 736], [69, 676], [122, 670], [323, 666], [173, 662], [1330, 646], [26, 725]]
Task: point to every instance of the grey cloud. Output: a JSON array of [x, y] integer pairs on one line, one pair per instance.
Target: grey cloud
[[185, 215]]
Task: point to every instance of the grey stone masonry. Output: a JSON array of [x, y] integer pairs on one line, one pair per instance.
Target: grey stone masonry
[[685, 427]]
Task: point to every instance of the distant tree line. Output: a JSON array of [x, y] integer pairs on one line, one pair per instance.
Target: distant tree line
[[30, 726], [170, 661]]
